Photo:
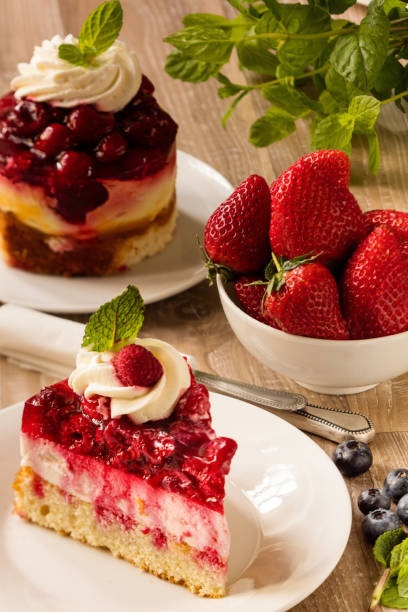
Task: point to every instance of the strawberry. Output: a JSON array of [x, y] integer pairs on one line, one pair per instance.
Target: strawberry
[[251, 296], [135, 366], [236, 234], [313, 210], [303, 299], [374, 287], [395, 219]]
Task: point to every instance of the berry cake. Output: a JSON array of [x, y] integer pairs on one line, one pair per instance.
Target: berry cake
[[87, 175], [123, 455]]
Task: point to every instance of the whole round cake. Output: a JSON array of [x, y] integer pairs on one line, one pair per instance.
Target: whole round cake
[[87, 164]]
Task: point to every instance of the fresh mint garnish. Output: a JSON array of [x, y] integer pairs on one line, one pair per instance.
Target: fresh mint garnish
[[116, 323], [99, 31], [334, 73], [391, 590]]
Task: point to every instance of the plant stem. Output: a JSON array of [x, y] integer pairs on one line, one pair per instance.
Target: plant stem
[[378, 589], [397, 97], [280, 80], [399, 20], [318, 35]]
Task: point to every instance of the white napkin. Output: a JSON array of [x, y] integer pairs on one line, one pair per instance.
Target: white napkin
[[39, 341]]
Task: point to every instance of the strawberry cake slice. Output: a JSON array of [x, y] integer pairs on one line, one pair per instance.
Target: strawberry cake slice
[[87, 159], [122, 455]]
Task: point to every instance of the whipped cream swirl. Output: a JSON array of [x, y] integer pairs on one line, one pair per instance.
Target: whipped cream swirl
[[110, 83], [95, 375]]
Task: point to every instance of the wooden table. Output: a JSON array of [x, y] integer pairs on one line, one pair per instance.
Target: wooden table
[[193, 321]]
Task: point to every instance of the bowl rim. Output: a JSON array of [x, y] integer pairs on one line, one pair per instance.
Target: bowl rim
[[302, 339]]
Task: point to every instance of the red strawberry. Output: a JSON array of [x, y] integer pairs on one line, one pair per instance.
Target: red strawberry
[[251, 296], [395, 219], [236, 234], [134, 365], [304, 300], [374, 287], [313, 210]]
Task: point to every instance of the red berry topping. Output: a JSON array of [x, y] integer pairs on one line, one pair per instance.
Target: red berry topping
[[18, 164], [7, 102], [28, 118], [54, 139], [134, 365], [146, 86], [76, 198], [75, 166], [88, 125], [111, 147], [151, 127]]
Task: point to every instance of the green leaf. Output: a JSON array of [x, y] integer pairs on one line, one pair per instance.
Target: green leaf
[[229, 89], [358, 56], [385, 543], [206, 19], [341, 89], [390, 76], [392, 599], [290, 99], [71, 54], [101, 28], [213, 45], [329, 104], [273, 126], [189, 69], [389, 5], [402, 579], [374, 152], [338, 7], [398, 554], [365, 110], [269, 24], [115, 323], [232, 107], [254, 55], [334, 132]]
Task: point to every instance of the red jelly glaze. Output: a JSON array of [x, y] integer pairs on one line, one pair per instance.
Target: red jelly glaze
[[35, 139], [180, 454]]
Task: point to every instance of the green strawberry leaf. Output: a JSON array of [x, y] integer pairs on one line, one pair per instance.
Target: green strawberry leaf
[[273, 126], [116, 323], [365, 110], [71, 54], [189, 69], [101, 28]]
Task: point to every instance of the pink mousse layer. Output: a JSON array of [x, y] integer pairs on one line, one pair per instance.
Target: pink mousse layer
[[131, 499]]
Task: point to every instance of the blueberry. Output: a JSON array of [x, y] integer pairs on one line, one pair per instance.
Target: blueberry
[[402, 509], [352, 457], [396, 483], [371, 499], [377, 522]]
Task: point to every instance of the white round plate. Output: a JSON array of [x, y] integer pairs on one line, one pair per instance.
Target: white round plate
[[200, 189], [287, 507]]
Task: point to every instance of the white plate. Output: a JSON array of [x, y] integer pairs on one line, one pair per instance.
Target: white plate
[[200, 189], [286, 504]]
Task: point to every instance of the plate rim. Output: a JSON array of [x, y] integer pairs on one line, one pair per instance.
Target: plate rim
[[188, 282], [347, 519]]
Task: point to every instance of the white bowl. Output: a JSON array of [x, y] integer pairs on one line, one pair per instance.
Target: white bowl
[[326, 366]]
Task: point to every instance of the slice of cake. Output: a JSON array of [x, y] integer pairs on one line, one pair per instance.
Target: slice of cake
[[87, 159], [123, 455]]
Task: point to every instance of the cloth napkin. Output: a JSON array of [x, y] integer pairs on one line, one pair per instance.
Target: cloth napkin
[[39, 341]]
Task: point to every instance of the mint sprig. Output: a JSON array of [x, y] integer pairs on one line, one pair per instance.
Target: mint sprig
[[391, 590], [99, 31], [334, 73], [116, 323]]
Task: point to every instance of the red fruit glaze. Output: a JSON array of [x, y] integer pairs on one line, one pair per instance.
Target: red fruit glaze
[[395, 219], [236, 234], [28, 118], [307, 304], [134, 365], [54, 139], [180, 454], [89, 125], [313, 210], [75, 166], [111, 147], [251, 296], [374, 287]]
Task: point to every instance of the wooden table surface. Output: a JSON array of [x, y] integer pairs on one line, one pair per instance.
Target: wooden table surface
[[193, 320]]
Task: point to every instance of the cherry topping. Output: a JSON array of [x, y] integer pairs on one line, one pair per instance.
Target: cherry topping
[[134, 365], [88, 125], [18, 164], [74, 165], [54, 139], [111, 147], [28, 118], [7, 102], [77, 198], [146, 86]]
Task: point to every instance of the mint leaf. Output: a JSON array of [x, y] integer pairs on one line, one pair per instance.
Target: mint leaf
[[334, 132], [390, 76], [101, 28], [402, 580], [290, 99], [365, 110], [391, 598], [341, 89], [359, 56], [255, 55], [71, 54], [209, 44], [328, 102], [374, 152], [189, 69], [273, 126], [115, 323], [389, 5], [205, 19], [398, 554], [385, 543]]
